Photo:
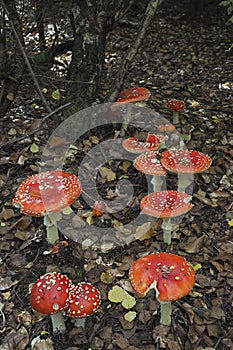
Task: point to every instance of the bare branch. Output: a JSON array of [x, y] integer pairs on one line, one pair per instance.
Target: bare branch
[[121, 74]]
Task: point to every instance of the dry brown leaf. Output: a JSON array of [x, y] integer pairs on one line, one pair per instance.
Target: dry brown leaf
[[22, 235], [7, 213], [119, 340], [194, 246], [23, 222], [107, 173], [57, 141]]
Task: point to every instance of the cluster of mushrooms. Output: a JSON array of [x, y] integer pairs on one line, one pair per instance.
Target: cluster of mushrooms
[[171, 276]]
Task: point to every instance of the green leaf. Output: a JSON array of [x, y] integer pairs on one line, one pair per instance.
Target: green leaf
[[34, 148], [56, 95]]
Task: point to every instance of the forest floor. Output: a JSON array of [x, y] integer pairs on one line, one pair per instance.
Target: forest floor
[[184, 57]]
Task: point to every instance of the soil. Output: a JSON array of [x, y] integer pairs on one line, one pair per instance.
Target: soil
[[185, 56]]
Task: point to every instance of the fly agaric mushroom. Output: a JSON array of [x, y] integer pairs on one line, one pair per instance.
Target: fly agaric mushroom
[[170, 275], [84, 300], [175, 106], [98, 209], [50, 295], [46, 194], [148, 163], [166, 205], [185, 163], [134, 94], [153, 142]]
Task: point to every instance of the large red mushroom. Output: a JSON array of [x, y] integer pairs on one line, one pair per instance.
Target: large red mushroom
[[185, 163], [84, 300], [134, 94], [148, 163], [166, 205], [46, 194], [50, 295], [170, 275]]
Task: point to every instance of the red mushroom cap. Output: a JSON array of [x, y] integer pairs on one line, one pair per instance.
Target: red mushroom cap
[[84, 300], [133, 145], [185, 161], [165, 204], [98, 209], [176, 105], [148, 163], [50, 293], [49, 191], [133, 94], [171, 275]]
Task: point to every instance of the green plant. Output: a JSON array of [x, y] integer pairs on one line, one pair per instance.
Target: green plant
[[229, 6]]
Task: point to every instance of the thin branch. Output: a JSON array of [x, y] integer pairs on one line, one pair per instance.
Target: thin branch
[[26, 60]]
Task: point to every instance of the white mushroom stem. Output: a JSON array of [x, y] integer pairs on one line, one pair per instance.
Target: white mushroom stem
[[167, 229], [184, 180], [175, 117], [165, 313], [126, 119], [58, 322], [50, 221], [157, 182], [80, 322]]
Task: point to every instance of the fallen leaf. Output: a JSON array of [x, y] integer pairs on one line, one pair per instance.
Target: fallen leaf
[[34, 148], [56, 94], [106, 277], [194, 246], [130, 316], [116, 294], [7, 213], [107, 174], [129, 301], [12, 132]]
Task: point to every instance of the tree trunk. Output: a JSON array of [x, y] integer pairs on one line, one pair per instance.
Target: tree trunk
[[91, 19]]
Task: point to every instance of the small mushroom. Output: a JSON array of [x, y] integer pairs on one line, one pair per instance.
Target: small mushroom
[[170, 275], [46, 194], [175, 106], [185, 163], [166, 128], [50, 295], [166, 205], [84, 300], [98, 209], [148, 163], [134, 94]]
